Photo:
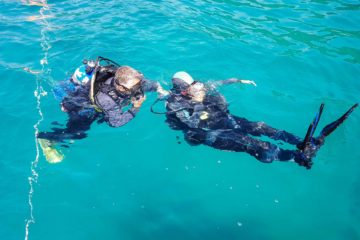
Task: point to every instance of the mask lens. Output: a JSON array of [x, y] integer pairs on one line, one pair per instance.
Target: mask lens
[[123, 89]]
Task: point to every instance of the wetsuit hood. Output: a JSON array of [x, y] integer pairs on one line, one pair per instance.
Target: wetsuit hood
[[184, 76], [181, 81]]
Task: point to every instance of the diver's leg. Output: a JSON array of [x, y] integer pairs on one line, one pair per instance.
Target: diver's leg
[[76, 128], [308, 148], [194, 136], [231, 140], [60, 135], [328, 129], [261, 128]]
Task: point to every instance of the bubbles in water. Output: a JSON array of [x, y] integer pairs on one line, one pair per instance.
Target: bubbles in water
[[43, 61], [38, 93]]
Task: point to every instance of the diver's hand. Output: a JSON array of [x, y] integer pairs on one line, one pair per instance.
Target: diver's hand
[[138, 102], [162, 93], [248, 82]]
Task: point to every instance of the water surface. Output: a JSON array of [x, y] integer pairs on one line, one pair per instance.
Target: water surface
[[137, 182]]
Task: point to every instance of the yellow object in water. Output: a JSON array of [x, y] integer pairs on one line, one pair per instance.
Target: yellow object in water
[[51, 154]]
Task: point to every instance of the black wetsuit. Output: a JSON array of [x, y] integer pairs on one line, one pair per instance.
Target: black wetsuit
[[225, 131], [109, 108]]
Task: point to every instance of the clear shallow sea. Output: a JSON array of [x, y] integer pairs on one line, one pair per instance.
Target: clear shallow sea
[[137, 182]]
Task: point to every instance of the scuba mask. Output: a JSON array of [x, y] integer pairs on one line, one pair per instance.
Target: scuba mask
[[196, 91], [133, 92], [186, 91]]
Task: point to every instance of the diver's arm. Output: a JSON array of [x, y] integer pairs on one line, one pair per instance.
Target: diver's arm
[[231, 81], [149, 85], [114, 115], [153, 86], [116, 118]]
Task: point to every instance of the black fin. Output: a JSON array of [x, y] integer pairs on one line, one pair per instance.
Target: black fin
[[311, 130], [309, 147], [328, 129]]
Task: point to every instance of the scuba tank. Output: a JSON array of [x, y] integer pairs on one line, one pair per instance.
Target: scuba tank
[[100, 75]]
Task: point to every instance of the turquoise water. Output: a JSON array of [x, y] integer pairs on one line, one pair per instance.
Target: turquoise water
[[137, 182]]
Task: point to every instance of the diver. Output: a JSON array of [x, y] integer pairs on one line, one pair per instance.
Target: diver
[[202, 114], [104, 93]]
